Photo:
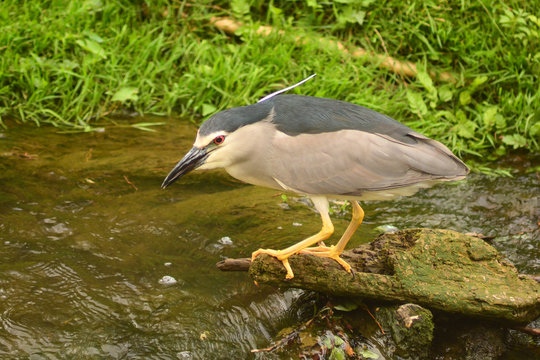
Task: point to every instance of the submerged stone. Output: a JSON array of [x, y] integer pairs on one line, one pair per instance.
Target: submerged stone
[[411, 328]]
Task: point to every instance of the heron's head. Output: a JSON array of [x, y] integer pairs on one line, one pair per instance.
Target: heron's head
[[219, 142]]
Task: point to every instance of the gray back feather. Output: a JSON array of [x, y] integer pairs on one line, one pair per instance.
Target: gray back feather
[[297, 114]]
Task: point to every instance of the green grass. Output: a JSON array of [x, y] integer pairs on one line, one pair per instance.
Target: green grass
[[72, 63]]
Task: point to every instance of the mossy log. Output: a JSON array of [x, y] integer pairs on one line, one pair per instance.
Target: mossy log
[[439, 269]]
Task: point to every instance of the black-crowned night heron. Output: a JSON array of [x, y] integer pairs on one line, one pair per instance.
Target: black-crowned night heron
[[322, 148]]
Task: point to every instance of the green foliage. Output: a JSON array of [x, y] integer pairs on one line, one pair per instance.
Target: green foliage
[[366, 354], [126, 93], [334, 345], [347, 306], [69, 63]]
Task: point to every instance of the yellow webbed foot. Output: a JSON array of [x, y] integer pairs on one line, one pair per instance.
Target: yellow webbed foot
[[321, 204], [278, 254], [329, 252]]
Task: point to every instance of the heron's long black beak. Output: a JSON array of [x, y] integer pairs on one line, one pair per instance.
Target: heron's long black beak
[[192, 160]]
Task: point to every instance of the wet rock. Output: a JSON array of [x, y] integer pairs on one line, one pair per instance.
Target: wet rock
[[167, 280], [439, 269], [411, 328], [386, 229], [225, 241], [469, 341], [483, 343]]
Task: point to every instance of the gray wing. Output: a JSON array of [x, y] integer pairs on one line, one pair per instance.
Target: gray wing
[[297, 114], [350, 162]]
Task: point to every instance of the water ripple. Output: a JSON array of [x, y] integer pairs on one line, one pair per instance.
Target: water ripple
[[81, 262]]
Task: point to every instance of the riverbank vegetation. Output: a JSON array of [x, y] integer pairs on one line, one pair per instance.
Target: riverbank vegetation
[[72, 64]]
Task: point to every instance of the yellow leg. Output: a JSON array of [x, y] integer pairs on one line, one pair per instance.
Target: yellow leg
[[321, 203], [333, 252]]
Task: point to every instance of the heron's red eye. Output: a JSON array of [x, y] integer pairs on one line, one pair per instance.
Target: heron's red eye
[[219, 139]]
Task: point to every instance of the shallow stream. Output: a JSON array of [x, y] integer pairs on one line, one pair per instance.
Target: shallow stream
[[86, 235]]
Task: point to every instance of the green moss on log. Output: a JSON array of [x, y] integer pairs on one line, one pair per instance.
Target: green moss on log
[[439, 269]]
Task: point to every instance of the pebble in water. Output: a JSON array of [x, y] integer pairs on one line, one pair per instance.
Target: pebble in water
[[386, 229], [225, 240], [167, 280]]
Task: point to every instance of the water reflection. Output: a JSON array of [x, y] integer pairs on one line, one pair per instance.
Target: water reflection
[[86, 234]]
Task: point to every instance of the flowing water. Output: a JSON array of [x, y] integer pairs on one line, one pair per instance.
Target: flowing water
[[87, 236]]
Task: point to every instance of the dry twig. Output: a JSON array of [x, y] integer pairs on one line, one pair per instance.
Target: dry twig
[[406, 68], [130, 183]]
